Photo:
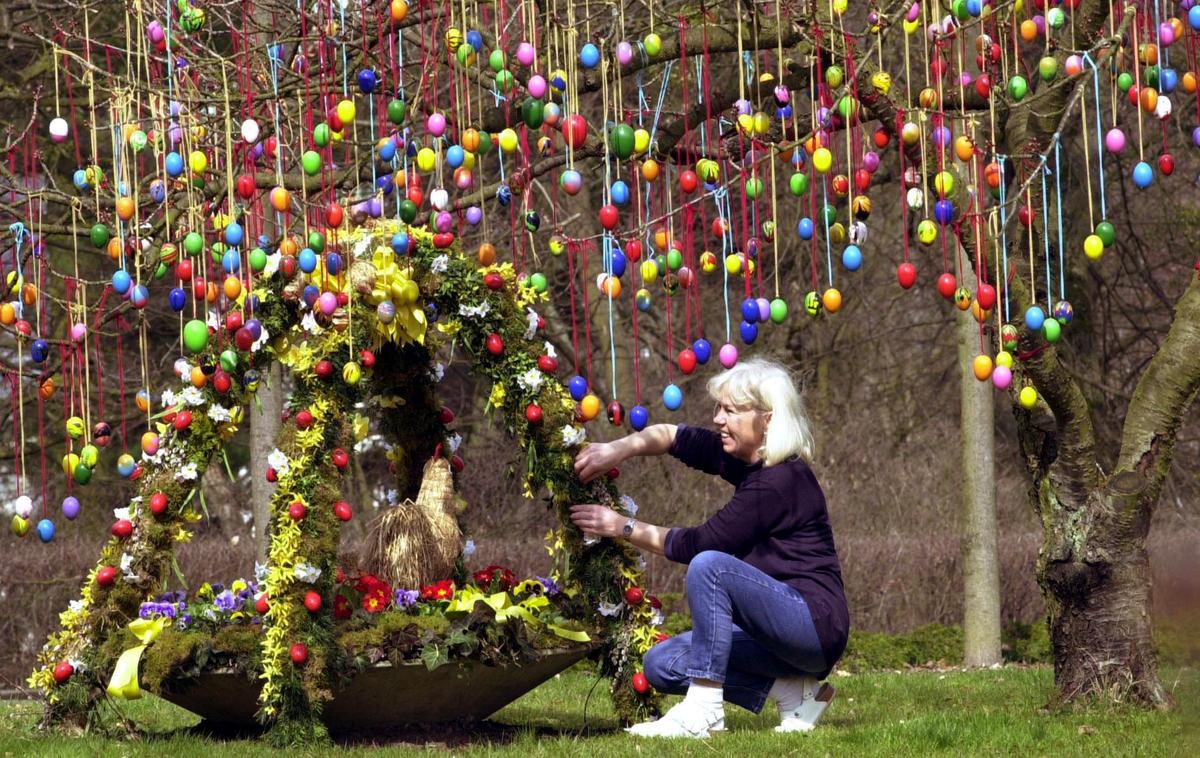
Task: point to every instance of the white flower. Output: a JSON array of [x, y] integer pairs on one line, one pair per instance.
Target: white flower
[[127, 567], [307, 573], [262, 340], [120, 513], [213, 320], [309, 323], [75, 606], [169, 398], [187, 473], [629, 506], [531, 323], [278, 460], [454, 441], [219, 413], [246, 516], [192, 396], [573, 435], [475, 311], [531, 380], [260, 572], [608, 609], [360, 247], [78, 665], [440, 264], [656, 618], [392, 497], [550, 351], [272, 264], [437, 372], [469, 549]]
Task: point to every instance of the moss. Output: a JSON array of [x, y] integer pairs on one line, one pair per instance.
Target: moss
[[237, 640], [172, 651], [388, 624]]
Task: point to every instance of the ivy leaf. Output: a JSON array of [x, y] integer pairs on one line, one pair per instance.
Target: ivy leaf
[[433, 656]]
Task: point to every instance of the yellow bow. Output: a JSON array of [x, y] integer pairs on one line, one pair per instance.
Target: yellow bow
[[394, 283], [124, 682]]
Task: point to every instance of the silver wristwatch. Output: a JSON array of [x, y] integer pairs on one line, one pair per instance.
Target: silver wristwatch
[[627, 530]]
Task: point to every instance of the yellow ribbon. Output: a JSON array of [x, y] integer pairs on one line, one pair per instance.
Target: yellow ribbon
[[124, 682], [466, 598]]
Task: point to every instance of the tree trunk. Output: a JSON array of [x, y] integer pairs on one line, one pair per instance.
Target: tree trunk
[[265, 423], [1095, 575], [981, 568]]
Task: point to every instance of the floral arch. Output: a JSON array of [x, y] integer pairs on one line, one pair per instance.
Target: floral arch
[[378, 319]]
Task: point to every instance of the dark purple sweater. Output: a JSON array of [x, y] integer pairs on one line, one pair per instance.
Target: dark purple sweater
[[776, 522]]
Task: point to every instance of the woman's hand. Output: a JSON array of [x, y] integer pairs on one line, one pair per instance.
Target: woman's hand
[[597, 459], [597, 520]]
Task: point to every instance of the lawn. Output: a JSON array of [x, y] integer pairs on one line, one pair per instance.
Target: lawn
[[997, 712]]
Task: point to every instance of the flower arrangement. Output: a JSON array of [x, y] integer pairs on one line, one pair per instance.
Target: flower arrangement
[[394, 310]]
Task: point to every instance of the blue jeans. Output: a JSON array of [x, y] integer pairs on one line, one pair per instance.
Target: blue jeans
[[747, 630]]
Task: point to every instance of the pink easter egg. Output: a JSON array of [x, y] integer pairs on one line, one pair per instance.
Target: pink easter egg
[[526, 54], [328, 303], [728, 355]]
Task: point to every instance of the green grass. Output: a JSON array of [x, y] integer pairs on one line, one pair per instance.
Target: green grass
[[919, 713]]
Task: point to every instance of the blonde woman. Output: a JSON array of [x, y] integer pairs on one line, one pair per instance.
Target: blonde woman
[[763, 584]]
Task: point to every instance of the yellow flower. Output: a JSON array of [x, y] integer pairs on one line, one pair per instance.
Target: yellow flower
[[496, 399]]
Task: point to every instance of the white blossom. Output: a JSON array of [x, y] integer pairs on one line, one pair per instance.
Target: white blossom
[[262, 340], [120, 513], [260, 572], [219, 413], [393, 496], [278, 460], [246, 516], [187, 473], [549, 349], [440, 264], [192, 396], [531, 323], [454, 440], [656, 618], [272, 264], [573, 435], [213, 320], [309, 323], [437, 372], [469, 549], [475, 311], [531, 380], [75, 606], [306, 573], [169, 398], [127, 568], [628, 505], [608, 609]]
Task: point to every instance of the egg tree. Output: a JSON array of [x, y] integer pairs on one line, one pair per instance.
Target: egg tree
[[662, 159]]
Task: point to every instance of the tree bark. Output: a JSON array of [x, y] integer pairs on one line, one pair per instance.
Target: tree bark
[[981, 567], [265, 423]]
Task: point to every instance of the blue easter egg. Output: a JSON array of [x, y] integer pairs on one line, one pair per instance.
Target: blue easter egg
[[589, 56], [310, 293], [455, 156], [805, 228], [749, 332], [139, 296], [616, 262], [387, 151], [1034, 318], [750, 310], [308, 260], [386, 184], [400, 243], [333, 263], [367, 81], [1168, 80], [121, 281], [852, 258], [638, 417], [39, 350], [943, 211], [45, 530], [619, 192], [1194, 17], [703, 350], [475, 40], [578, 387], [79, 179], [1143, 175], [174, 164], [672, 397], [231, 261], [177, 298]]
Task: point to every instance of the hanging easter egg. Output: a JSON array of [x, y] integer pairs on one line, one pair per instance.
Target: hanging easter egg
[[45, 533], [1028, 398], [578, 388], [195, 336], [852, 258], [571, 181], [672, 397], [638, 417], [616, 413], [643, 300], [621, 140], [728, 355], [589, 56], [589, 407], [1017, 88], [59, 129], [19, 526], [1143, 175]]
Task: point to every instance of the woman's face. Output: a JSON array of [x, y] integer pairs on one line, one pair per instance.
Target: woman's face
[[742, 428]]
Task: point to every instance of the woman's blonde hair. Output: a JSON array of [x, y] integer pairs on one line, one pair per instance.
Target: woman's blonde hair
[[766, 386]]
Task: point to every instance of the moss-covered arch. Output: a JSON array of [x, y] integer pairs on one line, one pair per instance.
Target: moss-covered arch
[[397, 306]]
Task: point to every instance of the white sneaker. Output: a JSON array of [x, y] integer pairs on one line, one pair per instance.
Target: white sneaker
[[684, 720], [804, 717]]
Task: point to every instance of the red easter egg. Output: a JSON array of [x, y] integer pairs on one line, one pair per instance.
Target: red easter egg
[[324, 368], [287, 264], [158, 503], [246, 187], [297, 511], [272, 475], [633, 251], [986, 296], [233, 321], [547, 364], [340, 458], [688, 181], [334, 215], [63, 671], [687, 360], [456, 463], [881, 138], [342, 510], [366, 359], [262, 604], [609, 217], [343, 298], [221, 382], [495, 344], [1166, 164], [533, 413], [106, 576], [445, 415], [312, 601], [443, 240], [906, 274], [641, 685], [634, 596], [299, 653], [183, 420], [946, 285], [574, 130], [493, 280], [122, 528], [183, 270]]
